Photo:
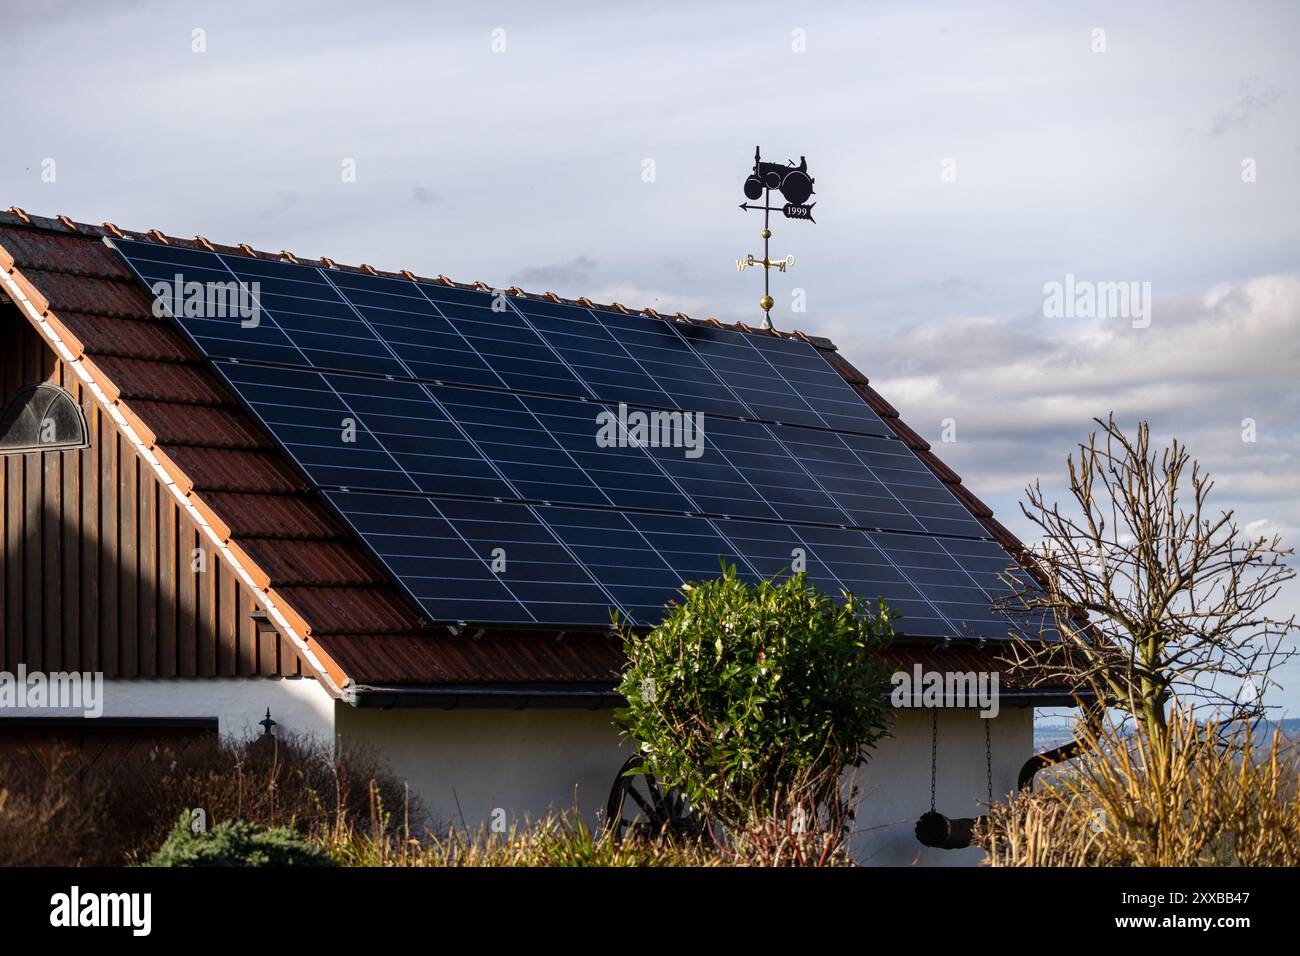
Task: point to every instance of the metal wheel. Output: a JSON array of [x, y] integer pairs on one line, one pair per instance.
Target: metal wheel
[[797, 187], [638, 805]]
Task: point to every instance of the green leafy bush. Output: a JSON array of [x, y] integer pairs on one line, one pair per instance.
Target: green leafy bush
[[752, 700], [237, 843]]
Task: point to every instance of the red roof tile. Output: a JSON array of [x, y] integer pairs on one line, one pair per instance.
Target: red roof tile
[[336, 610], [84, 293], [314, 563], [220, 469], [274, 516], [163, 381], [142, 339], [208, 425]]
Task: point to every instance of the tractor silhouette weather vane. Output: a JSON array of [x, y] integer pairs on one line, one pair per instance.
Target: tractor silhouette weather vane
[[793, 183]]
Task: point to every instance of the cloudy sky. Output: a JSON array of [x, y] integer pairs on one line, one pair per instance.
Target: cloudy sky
[[966, 155]]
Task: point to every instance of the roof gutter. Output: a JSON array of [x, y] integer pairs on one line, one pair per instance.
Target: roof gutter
[[549, 696], [483, 696]]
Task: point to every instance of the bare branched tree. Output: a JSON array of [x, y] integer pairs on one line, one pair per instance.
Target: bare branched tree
[[1146, 593]]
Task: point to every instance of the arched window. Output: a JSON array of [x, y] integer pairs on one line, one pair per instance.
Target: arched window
[[41, 418]]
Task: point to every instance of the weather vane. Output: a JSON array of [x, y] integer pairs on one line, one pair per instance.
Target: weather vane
[[792, 182]]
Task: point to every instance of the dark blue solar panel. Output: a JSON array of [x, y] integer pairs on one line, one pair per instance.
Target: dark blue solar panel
[[426, 343], [822, 388], [774, 550], [692, 545], [864, 499], [595, 356], [713, 484], [507, 433], [992, 569], [837, 560], [926, 563], [638, 577], [876, 487], [668, 371], [535, 567], [311, 420], [769, 468], [734, 360], [444, 572], [513, 350], [401, 440], [316, 318], [626, 474], [452, 427]]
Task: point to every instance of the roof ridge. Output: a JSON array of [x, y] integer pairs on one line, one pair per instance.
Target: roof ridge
[[65, 225]]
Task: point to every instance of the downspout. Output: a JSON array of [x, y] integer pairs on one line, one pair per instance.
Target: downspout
[[1025, 781]]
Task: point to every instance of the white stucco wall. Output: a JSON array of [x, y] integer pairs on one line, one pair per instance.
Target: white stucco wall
[[464, 764], [894, 785], [298, 705]]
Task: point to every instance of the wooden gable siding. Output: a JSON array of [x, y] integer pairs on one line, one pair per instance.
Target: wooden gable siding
[[97, 571]]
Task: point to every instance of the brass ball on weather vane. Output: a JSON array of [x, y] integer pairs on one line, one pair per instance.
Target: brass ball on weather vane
[[766, 303]]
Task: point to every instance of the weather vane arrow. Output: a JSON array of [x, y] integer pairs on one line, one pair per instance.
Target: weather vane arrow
[[789, 210], [796, 186]]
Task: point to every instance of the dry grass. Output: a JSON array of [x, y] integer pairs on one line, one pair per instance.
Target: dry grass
[[563, 840], [782, 841], [46, 825], [1211, 796], [566, 840], [108, 819]]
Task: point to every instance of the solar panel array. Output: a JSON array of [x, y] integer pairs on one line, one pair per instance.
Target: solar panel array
[[457, 432]]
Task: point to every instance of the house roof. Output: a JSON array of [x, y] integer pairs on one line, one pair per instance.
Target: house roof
[[319, 582]]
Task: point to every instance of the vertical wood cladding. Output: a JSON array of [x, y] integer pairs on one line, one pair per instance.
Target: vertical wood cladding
[[100, 570]]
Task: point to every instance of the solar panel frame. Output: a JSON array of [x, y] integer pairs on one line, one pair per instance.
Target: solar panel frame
[[415, 364]]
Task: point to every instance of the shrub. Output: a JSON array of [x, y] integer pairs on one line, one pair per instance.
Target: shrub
[[237, 844], [753, 699]]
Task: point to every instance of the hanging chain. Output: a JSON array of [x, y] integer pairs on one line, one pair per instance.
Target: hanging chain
[[934, 752], [988, 756]]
